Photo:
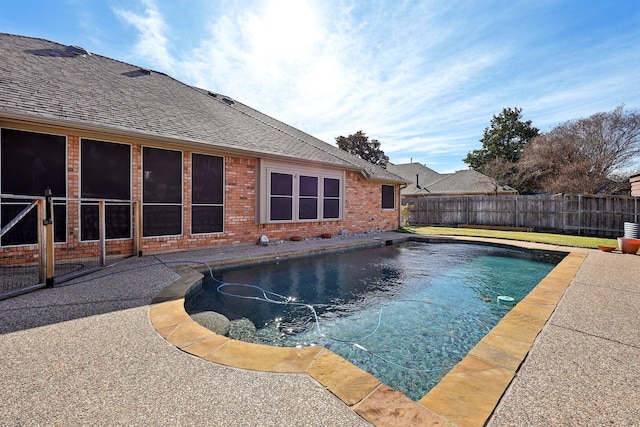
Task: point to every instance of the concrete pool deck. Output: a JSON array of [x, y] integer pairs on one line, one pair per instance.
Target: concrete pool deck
[[89, 352]]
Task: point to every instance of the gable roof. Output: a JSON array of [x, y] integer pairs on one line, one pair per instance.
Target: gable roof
[[47, 82], [468, 182], [430, 182], [418, 175]]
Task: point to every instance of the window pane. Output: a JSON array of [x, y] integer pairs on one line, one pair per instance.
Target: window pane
[[331, 208], [161, 220], [281, 208], [309, 186], [207, 179], [105, 170], [308, 208], [388, 197], [281, 184], [117, 221], [331, 187], [32, 162], [162, 175], [24, 232], [59, 222], [207, 219]]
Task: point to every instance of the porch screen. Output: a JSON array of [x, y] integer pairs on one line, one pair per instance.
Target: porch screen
[[105, 173], [207, 194], [161, 192], [31, 162]]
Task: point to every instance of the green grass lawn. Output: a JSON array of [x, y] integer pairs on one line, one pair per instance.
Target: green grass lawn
[[550, 238]]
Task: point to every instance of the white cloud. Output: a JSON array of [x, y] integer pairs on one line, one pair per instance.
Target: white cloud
[[424, 78], [152, 44]]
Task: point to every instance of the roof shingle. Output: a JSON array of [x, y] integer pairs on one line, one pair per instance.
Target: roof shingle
[[40, 79]]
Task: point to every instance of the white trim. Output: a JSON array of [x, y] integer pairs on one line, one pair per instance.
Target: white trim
[[264, 194], [66, 181], [131, 213], [224, 195], [181, 204], [382, 196]]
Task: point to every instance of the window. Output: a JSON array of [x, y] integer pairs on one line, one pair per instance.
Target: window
[[105, 173], [290, 195], [308, 197], [281, 197], [388, 197], [161, 192], [30, 163], [207, 194], [331, 198]]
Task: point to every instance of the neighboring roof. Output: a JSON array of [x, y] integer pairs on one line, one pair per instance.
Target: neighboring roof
[[431, 183], [418, 175], [51, 83]]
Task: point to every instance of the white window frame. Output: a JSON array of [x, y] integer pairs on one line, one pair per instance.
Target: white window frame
[[131, 179], [224, 194], [66, 183], [382, 197], [264, 205], [181, 204]]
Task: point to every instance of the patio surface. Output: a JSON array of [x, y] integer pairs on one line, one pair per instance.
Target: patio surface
[[86, 353]]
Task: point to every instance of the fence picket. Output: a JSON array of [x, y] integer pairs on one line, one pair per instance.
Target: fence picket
[[599, 215]]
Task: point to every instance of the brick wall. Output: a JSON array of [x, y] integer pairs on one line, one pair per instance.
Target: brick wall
[[362, 212], [635, 185]]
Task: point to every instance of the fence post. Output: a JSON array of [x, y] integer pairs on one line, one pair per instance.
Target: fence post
[[515, 201], [102, 233], [49, 263], [579, 214], [42, 258], [426, 208], [137, 228], [467, 206]]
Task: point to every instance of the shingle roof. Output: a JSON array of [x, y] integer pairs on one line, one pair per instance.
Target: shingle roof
[[430, 182], [411, 171], [43, 80], [468, 182]]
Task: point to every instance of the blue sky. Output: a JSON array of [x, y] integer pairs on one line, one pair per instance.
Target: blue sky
[[422, 77]]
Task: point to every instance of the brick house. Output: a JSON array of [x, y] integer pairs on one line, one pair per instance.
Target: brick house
[[635, 185], [196, 168]]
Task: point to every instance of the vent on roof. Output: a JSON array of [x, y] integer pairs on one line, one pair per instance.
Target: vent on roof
[[77, 50], [58, 53], [228, 101], [137, 73], [215, 95]]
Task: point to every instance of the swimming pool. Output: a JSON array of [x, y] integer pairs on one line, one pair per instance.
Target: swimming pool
[[404, 313]]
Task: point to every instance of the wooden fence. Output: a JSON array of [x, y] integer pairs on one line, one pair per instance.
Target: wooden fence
[[577, 214]]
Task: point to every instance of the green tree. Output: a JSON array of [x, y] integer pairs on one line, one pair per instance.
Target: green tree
[[502, 146], [359, 145]]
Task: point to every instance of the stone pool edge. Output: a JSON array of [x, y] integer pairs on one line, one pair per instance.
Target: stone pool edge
[[467, 395]]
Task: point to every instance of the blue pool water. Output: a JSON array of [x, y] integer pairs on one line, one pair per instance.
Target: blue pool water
[[404, 313]]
